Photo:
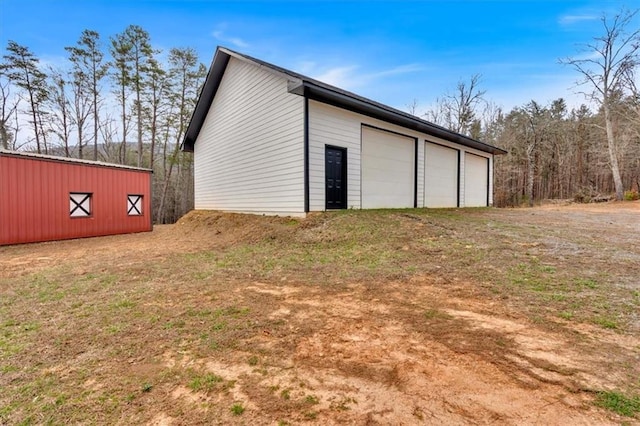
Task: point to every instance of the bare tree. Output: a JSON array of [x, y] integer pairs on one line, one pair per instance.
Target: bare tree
[[155, 91], [614, 57], [631, 110], [459, 111], [81, 110], [8, 111], [492, 122], [534, 124], [465, 101], [187, 76], [412, 107], [109, 134], [61, 107]]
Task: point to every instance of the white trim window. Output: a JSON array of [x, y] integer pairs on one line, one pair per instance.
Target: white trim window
[[80, 204]]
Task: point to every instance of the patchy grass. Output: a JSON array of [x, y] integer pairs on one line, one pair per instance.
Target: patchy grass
[[619, 403], [237, 409], [311, 399], [110, 330], [205, 382]]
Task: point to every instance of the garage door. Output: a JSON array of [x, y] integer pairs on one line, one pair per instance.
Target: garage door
[[388, 169], [440, 176], [476, 180]]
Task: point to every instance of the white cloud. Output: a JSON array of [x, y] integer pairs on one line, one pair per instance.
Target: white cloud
[[402, 69], [306, 67], [573, 19], [350, 77], [344, 77], [220, 35]]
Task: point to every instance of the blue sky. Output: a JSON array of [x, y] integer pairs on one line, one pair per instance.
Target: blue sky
[[390, 51]]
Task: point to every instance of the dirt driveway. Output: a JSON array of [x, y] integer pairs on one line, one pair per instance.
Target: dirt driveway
[[525, 316]]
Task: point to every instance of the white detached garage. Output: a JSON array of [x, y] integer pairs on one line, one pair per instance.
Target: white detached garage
[[270, 141]]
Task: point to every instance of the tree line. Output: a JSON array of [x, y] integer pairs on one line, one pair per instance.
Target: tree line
[[118, 100], [122, 101], [585, 153]]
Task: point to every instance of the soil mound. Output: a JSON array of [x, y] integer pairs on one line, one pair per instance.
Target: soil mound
[[216, 226]]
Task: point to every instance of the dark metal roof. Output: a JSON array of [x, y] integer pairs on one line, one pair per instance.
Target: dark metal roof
[[322, 92]]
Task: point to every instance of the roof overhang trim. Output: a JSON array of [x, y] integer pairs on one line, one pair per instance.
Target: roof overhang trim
[[208, 91]]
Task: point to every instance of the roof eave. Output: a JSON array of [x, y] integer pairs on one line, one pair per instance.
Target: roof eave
[[80, 161]]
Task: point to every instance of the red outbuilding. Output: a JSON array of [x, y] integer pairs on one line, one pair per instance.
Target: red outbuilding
[[45, 198]]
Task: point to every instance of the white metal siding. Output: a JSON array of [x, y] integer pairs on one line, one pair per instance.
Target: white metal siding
[[249, 155], [441, 176], [387, 169], [333, 126], [476, 180], [329, 125]]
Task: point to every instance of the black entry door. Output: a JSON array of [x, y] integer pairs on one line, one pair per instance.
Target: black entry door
[[335, 167]]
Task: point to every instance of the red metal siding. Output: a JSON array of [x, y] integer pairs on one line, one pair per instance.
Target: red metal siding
[[34, 200]]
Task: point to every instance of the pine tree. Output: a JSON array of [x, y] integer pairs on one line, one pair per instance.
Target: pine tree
[[23, 69], [89, 69], [140, 54], [121, 53]]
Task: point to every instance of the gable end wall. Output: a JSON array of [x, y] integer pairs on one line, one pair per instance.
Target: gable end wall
[[249, 154]]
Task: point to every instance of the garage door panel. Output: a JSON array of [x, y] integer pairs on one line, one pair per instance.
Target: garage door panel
[[388, 169], [476, 180], [441, 176]]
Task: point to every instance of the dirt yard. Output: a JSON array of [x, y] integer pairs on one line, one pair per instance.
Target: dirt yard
[[400, 317]]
